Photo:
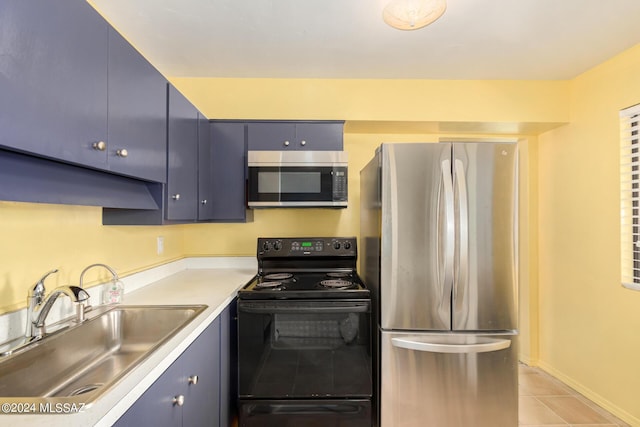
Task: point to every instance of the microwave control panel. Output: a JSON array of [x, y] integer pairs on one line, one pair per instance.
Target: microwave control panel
[[339, 184]]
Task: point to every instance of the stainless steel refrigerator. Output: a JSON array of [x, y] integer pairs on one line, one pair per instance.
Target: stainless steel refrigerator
[[439, 253]]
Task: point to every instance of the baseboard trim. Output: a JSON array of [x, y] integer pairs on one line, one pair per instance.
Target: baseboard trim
[[591, 395]]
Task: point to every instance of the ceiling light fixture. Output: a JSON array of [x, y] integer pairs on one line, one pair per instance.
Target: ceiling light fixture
[[412, 14]]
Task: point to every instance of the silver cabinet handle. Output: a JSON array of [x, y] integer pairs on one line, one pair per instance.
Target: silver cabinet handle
[[176, 197], [286, 143], [100, 145], [487, 346], [178, 400], [122, 152], [204, 201], [303, 142], [193, 379]]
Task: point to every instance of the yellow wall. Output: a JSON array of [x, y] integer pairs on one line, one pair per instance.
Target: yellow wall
[[37, 238], [589, 324], [379, 100]]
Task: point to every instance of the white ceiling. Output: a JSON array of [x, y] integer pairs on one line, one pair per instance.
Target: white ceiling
[[474, 39]]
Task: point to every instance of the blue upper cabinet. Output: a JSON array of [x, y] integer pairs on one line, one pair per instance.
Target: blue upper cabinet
[[72, 89], [229, 162], [53, 79], [182, 163], [299, 135], [137, 142]]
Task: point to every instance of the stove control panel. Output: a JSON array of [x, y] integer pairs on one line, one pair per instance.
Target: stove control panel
[[315, 246]]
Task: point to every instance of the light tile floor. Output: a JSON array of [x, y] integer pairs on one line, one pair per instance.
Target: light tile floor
[[546, 401]]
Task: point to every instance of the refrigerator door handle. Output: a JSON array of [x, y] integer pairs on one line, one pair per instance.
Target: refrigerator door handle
[[393, 177], [463, 231], [488, 345], [449, 233]]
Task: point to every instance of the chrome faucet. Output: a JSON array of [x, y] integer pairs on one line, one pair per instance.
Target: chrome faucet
[[114, 276], [111, 270], [39, 305]]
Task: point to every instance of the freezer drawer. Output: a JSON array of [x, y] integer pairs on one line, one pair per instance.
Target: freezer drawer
[[448, 380]]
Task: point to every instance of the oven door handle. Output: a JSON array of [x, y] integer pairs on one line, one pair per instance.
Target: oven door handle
[[305, 309]]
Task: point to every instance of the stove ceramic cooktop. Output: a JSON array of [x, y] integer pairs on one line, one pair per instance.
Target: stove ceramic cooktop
[[284, 285]]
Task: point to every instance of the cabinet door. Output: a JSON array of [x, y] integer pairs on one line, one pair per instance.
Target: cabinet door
[[137, 142], [271, 136], [202, 399], [201, 405], [229, 171], [53, 79], [155, 407], [319, 136], [205, 170], [182, 161]]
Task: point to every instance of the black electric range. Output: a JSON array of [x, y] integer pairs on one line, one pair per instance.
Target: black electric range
[[304, 336]]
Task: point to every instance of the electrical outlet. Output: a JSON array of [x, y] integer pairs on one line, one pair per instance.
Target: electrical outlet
[[160, 245]]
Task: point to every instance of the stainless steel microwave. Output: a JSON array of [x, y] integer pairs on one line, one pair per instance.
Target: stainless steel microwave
[[297, 179]]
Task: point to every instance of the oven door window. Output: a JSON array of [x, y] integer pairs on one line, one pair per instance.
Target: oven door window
[[285, 184], [304, 349]]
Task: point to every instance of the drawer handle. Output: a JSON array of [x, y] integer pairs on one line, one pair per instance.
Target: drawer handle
[[303, 143], [193, 380], [122, 152], [204, 202], [176, 197], [178, 400], [100, 145], [286, 143]]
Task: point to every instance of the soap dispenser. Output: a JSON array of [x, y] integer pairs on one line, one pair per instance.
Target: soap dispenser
[[113, 292]]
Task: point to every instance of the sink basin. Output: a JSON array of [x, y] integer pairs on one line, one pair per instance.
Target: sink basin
[[82, 362]]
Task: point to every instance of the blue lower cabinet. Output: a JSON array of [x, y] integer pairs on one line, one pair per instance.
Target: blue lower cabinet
[[202, 373], [190, 392]]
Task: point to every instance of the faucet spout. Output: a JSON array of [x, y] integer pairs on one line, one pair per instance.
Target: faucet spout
[[114, 275], [75, 293], [35, 298]]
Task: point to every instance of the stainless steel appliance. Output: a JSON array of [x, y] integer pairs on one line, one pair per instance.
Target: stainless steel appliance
[[297, 179], [304, 336], [439, 254]]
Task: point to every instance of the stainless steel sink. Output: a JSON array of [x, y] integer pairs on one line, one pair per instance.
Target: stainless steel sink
[[82, 362]]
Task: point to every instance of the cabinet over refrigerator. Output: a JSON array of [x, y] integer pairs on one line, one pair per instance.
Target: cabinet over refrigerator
[[438, 252]]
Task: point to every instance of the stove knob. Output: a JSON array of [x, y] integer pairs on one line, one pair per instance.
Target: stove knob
[[336, 245], [347, 245], [277, 246], [265, 246]]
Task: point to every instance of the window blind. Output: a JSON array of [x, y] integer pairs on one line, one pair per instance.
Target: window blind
[[630, 197]]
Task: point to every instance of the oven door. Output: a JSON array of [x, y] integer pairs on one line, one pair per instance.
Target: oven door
[[297, 186], [301, 349]]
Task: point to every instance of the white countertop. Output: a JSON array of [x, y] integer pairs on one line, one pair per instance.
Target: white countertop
[[216, 287]]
